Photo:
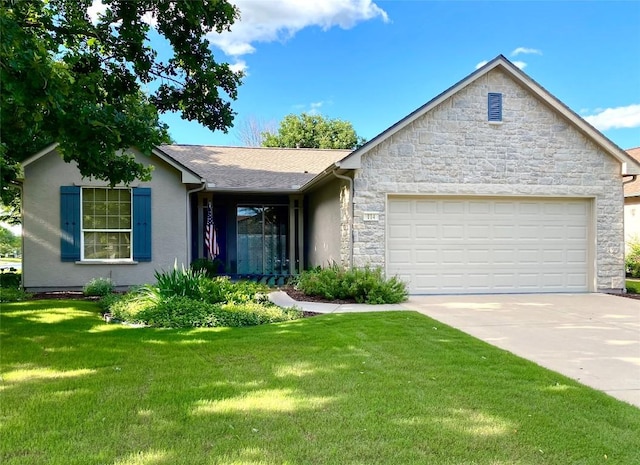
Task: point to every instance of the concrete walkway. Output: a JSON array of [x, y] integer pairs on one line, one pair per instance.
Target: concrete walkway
[[592, 338]]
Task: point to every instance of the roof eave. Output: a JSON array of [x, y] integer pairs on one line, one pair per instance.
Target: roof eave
[[187, 175]]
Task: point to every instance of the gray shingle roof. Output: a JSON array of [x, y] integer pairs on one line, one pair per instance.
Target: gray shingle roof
[[254, 168]]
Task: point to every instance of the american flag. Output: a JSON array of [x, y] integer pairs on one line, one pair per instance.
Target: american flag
[[210, 239]]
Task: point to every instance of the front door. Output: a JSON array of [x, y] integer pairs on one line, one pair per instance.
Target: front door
[[263, 239]]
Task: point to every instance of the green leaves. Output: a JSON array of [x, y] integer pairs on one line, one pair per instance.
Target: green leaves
[[313, 131], [76, 80]]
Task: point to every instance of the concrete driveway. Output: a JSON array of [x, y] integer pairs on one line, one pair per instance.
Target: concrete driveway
[[592, 338]]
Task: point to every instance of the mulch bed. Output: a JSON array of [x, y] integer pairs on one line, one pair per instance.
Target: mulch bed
[[62, 295], [300, 296]]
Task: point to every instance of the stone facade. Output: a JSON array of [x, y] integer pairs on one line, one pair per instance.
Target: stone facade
[[454, 150]]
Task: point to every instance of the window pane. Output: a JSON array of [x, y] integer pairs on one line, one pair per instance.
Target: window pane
[[106, 208], [107, 246]]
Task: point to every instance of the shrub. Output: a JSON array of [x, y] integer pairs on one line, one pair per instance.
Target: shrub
[[128, 306], [10, 279], [98, 287], [211, 268], [246, 291], [364, 285], [179, 312], [183, 312], [632, 258], [633, 287], [251, 314], [107, 301], [324, 282], [8, 294]]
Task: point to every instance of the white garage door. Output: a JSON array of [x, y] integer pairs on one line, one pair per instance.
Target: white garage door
[[489, 245]]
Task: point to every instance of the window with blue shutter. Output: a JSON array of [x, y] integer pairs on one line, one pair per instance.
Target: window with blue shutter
[[72, 228], [495, 106], [142, 224], [70, 223]]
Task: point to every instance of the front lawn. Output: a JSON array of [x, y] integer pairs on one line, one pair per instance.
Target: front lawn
[[388, 388]]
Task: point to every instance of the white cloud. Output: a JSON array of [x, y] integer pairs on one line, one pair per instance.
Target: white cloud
[[616, 118], [98, 8], [268, 21], [315, 108], [239, 65], [481, 64], [524, 50]]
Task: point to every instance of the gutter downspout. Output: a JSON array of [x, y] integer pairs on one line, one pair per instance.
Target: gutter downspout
[[633, 178], [351, 202], [192, 191]]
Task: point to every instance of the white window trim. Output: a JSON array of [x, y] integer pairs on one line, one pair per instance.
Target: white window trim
[[84, 260]]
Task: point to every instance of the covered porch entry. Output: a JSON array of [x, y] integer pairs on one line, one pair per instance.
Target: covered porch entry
[[249, 236]]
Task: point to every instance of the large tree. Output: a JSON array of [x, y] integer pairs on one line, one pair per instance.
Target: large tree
[[9, 242], [96, 86], [313, 131], [251, 130]]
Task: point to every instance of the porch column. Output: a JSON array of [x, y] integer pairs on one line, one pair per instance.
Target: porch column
[[296, 234]]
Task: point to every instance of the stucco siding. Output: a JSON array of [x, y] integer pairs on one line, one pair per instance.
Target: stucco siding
[[42, 267], [454, 150], [325, 226], [631, 220]]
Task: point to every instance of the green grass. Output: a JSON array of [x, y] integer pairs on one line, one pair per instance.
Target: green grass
[[387, 388], [633, 286]]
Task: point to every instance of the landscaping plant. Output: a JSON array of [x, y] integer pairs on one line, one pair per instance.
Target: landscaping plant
[[364, 285], [632, 259], [187, 298], [98, 287], [11, 287]]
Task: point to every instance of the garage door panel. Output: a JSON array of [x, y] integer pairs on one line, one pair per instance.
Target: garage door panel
[[399, 207], [453, 207], [400, 231], [577, 257], [426, 231], [479, 207], [483, 245], [452, 231]]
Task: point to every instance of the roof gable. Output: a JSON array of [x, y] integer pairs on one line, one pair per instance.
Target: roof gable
[[188, 176], [629, 166]]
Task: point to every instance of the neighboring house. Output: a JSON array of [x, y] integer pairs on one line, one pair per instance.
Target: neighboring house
[[632, 204], [494, 186]]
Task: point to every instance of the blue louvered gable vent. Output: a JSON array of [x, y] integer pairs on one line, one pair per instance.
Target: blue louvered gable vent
[[495, 106]]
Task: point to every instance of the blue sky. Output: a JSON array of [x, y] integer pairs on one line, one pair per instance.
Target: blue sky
[[373, 62]]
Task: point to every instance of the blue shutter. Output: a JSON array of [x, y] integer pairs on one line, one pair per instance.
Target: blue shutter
[[495, 106], [142, 224], [70, 223]]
